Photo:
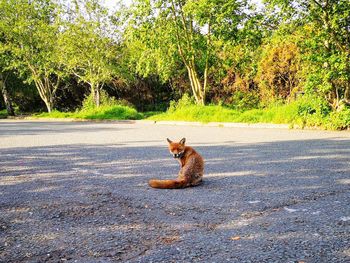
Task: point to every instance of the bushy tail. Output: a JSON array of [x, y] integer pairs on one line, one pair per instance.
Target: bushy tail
[[168, 184]]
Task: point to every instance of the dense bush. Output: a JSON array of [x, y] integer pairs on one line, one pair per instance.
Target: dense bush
[[278, 70], [245, 100]]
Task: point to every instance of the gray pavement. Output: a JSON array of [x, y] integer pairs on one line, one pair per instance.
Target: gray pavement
[[77, 192]]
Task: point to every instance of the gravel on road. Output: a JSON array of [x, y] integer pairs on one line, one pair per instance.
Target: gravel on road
[[78, 192]]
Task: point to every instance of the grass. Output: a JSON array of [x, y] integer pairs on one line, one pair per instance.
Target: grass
[[301, 113], [197, 113], [3, 114], [223, 114], [115, 112]]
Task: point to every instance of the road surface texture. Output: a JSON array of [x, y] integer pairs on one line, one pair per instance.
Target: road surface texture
[[78, 192]]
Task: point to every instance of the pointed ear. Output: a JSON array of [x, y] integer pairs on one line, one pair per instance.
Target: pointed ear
[[183, 140], [169, 141]]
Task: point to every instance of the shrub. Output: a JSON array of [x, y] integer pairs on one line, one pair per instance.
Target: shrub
[[339, 120], [245, 100], [105, 100], [109, 108], [184, 102], [278, 70]]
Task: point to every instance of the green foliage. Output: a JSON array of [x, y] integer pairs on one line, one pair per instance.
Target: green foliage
[[325, 44], [339, 120], [109, 108], [245, 100], [304, 112], [218, 51], [310, 105], [89, 49], [3, 114], [278, 70], [182, 103], [29, 33], [105, 100], [167, 37], [115, 112], [313, 111], [198, 113]]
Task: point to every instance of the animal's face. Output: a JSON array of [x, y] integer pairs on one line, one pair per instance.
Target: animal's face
[[177, 149]]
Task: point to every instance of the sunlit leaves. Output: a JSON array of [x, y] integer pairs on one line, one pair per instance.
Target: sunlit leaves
[[169, 37], [278, 70], [90, 50], [29, 32]]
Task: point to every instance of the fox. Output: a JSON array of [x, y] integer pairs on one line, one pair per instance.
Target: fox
[[191, 171]]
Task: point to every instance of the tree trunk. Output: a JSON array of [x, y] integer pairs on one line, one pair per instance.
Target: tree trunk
[[186, 47], [97, 96], [45, 93], [196, 85], [347, 92], [347, 85], [49, 106], [5, 94], [45, 88], [95, 93], [48, 103]]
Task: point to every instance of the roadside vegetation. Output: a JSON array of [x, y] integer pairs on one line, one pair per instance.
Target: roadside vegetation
[[207, 61], [109, 109], [117, 112], [305, 112]]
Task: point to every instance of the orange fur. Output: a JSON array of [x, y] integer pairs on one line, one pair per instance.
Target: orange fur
[[192, 167], [167, 184]]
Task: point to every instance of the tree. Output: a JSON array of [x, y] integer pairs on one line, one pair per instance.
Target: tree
[[5, 94], [238, 61], [89, 51], [5, 59], [279, 70], [325, 46], [165, 36], [330, 49], [30, 30]]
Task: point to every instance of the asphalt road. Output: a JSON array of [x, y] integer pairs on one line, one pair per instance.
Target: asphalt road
[[78, 192]]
